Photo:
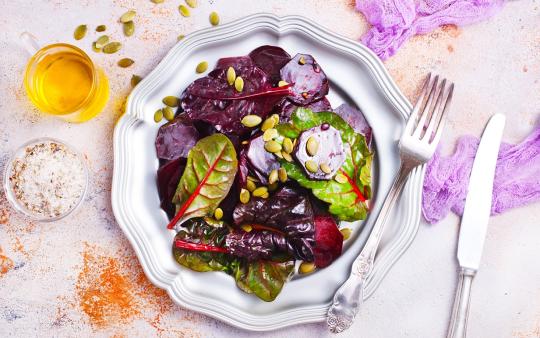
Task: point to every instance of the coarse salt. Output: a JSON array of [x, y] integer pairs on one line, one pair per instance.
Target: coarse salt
[[48, 179]]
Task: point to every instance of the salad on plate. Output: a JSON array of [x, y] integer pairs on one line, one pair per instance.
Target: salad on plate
[[257, 170]]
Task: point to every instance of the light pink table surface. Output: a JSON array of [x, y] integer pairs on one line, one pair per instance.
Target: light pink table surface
[[57, 284]]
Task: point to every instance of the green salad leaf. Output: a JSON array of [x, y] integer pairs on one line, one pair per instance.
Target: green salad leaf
[[208, 177], [346, 200], [265, 279]]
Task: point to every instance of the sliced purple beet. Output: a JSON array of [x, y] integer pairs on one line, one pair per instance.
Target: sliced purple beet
[[175, 139], [356, 120], [261, 161], [270, 59], [308, 80], [328, 241], [286, 107], [331, 150], [168, 176]]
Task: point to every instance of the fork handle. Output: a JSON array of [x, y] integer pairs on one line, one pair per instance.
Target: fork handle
[[460, 312], [348, 297]]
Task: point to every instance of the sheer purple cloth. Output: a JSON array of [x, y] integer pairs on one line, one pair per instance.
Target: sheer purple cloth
[[517, 177], [395, 21]]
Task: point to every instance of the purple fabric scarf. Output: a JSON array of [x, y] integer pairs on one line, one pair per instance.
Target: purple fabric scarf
[[395, 21], [517, 177]]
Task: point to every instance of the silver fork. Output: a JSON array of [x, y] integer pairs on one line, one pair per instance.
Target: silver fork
[[417, 145]]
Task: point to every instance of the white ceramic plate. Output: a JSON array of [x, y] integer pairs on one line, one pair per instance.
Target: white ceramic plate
[[356, 76]]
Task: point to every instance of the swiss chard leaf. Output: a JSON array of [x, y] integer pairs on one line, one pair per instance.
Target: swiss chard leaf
[[174, 139], [265, 279], [270, 59], [346, 200], [208, 177]]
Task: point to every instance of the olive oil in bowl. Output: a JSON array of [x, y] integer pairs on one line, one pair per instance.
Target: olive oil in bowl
[[61, 80]]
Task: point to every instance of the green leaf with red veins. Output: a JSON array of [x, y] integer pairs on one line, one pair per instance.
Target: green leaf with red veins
[[346, 200], [208, 177]]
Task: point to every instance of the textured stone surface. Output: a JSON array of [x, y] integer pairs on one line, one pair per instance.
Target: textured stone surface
[[80, 277]]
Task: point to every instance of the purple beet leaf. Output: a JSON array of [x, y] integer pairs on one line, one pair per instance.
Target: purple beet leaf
[[175, 139], [270, 59]]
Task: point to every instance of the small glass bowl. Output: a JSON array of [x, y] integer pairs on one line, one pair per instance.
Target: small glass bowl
[[10, 195]]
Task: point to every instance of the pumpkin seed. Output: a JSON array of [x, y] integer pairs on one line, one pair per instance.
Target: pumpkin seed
[[346, 232], [286, 156], [102, 41], [157, 1], [112, 47], [252, 179], [272, 187], [275, 117], [250, 186], [247, 227], [239, 84], [202, 67], [158, 115], [218, 213], [272, 146], [273, 177], [245, 142], [287, 145], [214, 19], [265, 196], [171, 101], [180, 37], [129, 28], [127, 16], [340, 178], [260, 191], [302, 60], [282, 83], [282, 174], [184, 11], [251, 121], [270, 134], [268, 124], [168, 113], [231, 76], [312, 146], [101, 28], [325, 168], [244, 196], [191, 3], [80, 32], [135, 79], [94, 48], [125, 62], [311, 166], [306, 267], [279, 154]]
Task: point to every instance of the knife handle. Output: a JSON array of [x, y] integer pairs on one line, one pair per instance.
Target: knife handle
[[460, 312]]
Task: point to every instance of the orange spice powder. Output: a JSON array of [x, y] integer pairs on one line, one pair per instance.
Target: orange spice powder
[[6, 263]]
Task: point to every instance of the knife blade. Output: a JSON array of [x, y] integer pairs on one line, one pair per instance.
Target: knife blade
[[477, 209]]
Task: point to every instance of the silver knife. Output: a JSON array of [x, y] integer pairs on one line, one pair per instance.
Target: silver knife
[[475, 220]]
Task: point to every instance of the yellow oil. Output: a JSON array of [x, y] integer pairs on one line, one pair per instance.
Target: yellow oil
[[61, 80]]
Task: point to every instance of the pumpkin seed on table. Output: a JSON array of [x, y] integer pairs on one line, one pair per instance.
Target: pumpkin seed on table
[[269, 123], [171, 101], [135, 79], [306, 267], [312, 146], [311, 166], [251, 121], [94, 48], [128, 16], [191, 3], [180, 37], [157, 1], [231, 76], [340, 178], [325, 168], [250, 185], [125, 62], [287, 145], [202, 67], [80, 32], [346, 232], [218, 213], [244, 196], [184, 11], [214, 19], [270, 134], [101, 28], [260, 191], [129, 28], [239, 84], [168, 113], [112, 47], [273, 177], [158, 115], [272, 146], [102, 41], [282, 174]]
